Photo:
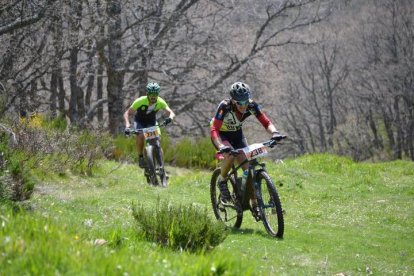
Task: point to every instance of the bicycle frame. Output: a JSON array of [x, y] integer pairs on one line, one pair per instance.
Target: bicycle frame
[[266, 202], [252, 169], [251, 180], [154, 167]]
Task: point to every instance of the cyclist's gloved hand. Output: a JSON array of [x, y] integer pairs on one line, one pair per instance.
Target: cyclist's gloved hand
[[225, 149], [276, 136], [127, 131], [167, 121]]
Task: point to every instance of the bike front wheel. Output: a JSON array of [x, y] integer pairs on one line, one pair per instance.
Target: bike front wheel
[[160, 173], [269, 205], [231, 214], [151, 166]]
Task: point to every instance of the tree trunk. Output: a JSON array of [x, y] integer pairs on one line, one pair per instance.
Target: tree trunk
[[115, 70], [99, 92], [62, 93], [75, 18], [80, 101], [100, 71], [388, 128], [73, 107], [143, 78], [91, 76], [377, 141], [53, 95], [398, 125]]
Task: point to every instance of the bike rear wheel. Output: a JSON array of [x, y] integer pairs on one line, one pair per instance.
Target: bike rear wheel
[[231, 214], [269, 205]]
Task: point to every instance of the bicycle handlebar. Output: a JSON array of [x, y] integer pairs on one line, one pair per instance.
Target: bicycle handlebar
[[140, 130], [269, 143]]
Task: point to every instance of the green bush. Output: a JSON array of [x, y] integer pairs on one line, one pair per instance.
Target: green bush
[[197, 153], [86, 149], [180, 228], [59, 123], [124, 149], [16, 180], [46, 146]]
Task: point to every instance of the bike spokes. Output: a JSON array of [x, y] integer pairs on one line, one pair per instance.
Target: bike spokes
[[156, 172], [229, 214], [270, 206]]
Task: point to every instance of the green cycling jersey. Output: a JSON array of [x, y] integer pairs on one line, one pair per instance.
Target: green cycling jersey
[[146, 113]]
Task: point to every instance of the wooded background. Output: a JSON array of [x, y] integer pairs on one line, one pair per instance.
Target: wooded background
[[335, 75]]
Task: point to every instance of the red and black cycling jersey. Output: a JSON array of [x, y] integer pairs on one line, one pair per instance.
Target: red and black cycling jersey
[[229, 119]]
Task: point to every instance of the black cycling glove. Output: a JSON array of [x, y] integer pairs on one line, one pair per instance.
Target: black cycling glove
[[225, 149], [167, 121], [276, 136]]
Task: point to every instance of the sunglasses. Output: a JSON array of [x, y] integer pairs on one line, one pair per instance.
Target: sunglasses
[[152, 94], [242, 103]]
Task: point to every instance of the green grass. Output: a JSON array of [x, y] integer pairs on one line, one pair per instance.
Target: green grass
[[341, 217]]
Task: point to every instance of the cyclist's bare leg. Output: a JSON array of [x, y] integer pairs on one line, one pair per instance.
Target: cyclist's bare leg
[[227, 162], [140, 143], [226, 165]]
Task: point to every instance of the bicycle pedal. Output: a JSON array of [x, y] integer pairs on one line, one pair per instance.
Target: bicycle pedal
[[256, 214], [257, 217], [227, 204]]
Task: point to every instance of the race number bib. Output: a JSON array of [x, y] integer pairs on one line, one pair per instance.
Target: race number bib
[[255, 151], [151, 132]]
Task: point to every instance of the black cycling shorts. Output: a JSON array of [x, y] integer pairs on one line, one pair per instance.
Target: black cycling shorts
[[235, 138], [139, 125]]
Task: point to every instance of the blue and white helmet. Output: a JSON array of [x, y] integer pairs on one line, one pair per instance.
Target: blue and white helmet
[[240, 91], [153, 88]]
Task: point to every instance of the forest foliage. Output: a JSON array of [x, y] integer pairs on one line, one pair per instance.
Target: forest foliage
[[336, 76]]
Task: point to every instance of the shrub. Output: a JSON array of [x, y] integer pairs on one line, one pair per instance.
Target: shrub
[[59, 123], [86, 148], [16, 181], [47, 146], [180, 228], [198, 153], [186, 152], [124, 149], [59, 148]]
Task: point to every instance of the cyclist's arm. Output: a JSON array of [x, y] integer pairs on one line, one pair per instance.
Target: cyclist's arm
[[162, 105], [169, 113], [217, 122], [271, 129], [266, 123], [128, 113], [214, 133]]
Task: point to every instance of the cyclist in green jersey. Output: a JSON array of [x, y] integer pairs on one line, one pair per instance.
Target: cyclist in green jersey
[[145, 109]]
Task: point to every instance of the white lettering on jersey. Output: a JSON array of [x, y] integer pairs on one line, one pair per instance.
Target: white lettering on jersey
[[151, 108], [230, 122]]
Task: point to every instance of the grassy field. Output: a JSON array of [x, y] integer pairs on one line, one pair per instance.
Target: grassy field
[[342, 218]]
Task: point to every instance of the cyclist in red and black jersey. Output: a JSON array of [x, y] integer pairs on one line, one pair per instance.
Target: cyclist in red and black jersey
[[226, 128], [145, 109]]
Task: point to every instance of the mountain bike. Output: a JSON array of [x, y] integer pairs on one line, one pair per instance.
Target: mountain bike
[[258, 185], [154, 170]]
